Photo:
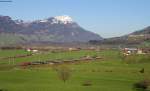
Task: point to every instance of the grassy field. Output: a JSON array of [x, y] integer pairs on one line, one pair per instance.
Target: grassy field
[[108, 74], [11, 53]]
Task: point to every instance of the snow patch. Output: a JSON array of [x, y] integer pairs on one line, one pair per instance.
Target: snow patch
[[43, 20], [62, 19]]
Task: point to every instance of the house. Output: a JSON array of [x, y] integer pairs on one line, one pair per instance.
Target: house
[[74, 49], [140, 51], [129, 51], [31, 50], [145, 50], [28, 50], [34, 51]]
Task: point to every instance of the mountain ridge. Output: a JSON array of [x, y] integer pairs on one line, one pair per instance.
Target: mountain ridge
[[52, 29]]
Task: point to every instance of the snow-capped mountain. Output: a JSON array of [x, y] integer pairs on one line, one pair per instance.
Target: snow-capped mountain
[[53, 29]]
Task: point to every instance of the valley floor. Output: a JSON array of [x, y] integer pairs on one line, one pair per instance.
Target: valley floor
[[108, 74]]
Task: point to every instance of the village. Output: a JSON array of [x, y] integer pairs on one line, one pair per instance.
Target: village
[[130, 51]]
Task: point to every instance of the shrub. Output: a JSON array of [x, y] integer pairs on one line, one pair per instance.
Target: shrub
[[87, 83], [142, 85], [142, 70], [2, 89]]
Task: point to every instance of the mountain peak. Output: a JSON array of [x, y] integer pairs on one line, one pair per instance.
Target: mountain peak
[[65, 19]]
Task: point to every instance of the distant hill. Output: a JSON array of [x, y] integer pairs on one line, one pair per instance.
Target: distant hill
[[139, 37], [143, 31], [53, 29]]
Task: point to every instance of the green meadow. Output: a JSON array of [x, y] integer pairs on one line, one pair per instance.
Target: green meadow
[[111, 73]]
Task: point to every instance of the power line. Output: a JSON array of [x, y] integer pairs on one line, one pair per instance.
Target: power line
[[6, 1]]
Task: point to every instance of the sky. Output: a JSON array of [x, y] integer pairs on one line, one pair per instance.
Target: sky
[[108, 18]]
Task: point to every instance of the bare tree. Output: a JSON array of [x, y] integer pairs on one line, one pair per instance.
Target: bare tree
[[64, 72]]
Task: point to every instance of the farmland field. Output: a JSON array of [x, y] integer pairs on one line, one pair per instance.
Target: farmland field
[[111, 73]]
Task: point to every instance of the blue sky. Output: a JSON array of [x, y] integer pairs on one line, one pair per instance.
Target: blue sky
[[108, 18]]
